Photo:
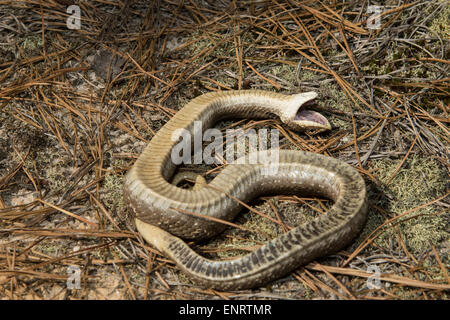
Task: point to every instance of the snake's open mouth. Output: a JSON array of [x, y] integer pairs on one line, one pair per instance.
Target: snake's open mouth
[[304, 114]]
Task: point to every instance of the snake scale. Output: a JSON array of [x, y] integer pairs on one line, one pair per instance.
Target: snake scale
[[164, 213]]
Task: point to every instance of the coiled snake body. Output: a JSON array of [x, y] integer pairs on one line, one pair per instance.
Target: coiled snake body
[[162, 209]]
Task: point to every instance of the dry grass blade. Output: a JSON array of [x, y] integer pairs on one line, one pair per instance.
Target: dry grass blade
[[384, 277]]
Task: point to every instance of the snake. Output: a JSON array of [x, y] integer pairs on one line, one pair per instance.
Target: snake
[[167, 216]]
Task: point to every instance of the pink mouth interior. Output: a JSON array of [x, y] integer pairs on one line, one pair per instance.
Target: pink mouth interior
[[309, 115]]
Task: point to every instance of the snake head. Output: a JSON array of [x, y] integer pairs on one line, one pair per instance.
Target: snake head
[[298, 116]]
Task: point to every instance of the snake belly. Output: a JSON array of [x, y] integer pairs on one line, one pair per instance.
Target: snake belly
[[165, 213]]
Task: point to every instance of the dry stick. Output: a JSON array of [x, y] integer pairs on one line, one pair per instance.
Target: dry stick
[[134, 133], [68, 213], [386, 12], [290, 35], [332, 140], [344, 288], [35, 274], [329, 19], [147, 274], [211, 218], [366, 156], [308, 37], [141, 243], [54, 260], [13, 280], [274, 209], [435, 120], [355, 138], [150, 74], [20, 88], [309, 205], [245, 205], [162, 280], [5, 179], [34, 59], [277, 86], [12, 214], [403, 245], [303, 278], [204, 52], [139, 118], [303, 146], [64, 232], [7, 72], [238, 51], [27, 172], [433, 59], [350, 92], [135, 130], [348, 51], [217, 83], [324, 286], [364, 136], [345, 85], [170, 89], [340, 18], [27, 120], [67, 105], [223, 295], [443, 268], [125, 278], [403, 160], [56, 126], [44, 51], [384, 277], [30, 247], [103, 209]]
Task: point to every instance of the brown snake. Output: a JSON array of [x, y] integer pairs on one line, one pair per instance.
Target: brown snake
[[158, 204]]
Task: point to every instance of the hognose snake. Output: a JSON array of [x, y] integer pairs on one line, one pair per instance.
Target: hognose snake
[[160, 207]]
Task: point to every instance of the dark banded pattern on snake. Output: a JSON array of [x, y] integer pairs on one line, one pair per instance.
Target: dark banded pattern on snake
[[159, 205]]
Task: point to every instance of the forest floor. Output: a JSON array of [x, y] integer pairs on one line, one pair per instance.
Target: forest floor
[[80, 99]]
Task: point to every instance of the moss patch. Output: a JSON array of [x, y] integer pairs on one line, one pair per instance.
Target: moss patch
[[441, 25], [419, 181]]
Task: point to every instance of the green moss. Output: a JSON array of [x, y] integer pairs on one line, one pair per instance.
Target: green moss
[[306, 75], [55, 176], [441, 25], [112, 196], [51, 248], [419, 181], [285, 71], [55, 169], [113, 191], [32, 44]]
